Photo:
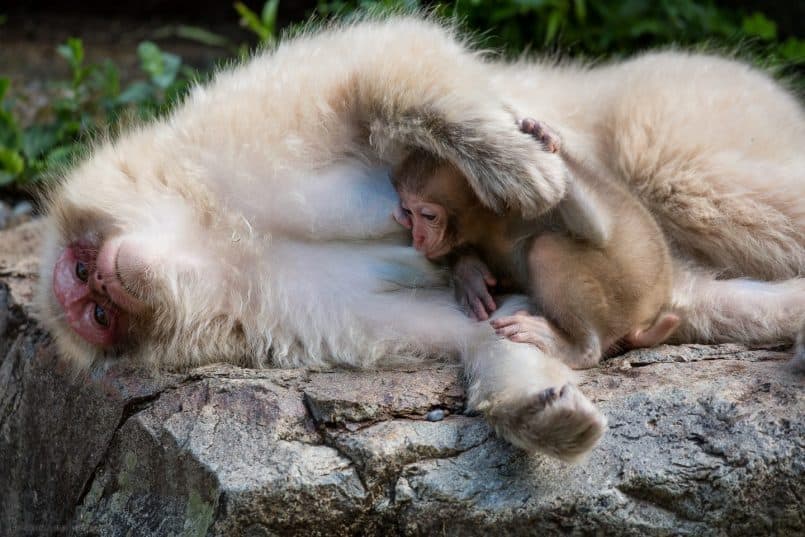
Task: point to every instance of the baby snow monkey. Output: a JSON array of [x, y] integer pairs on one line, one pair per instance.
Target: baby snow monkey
[[597, 265]]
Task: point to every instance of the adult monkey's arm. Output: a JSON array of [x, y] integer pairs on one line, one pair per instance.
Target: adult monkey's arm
[[413, 83]]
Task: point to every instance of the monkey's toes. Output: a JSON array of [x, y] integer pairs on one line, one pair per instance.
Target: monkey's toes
[[559, 422], [546, 397], [541, 132], [528, 125]]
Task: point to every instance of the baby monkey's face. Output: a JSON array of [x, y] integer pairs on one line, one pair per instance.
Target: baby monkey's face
[[428, 224]]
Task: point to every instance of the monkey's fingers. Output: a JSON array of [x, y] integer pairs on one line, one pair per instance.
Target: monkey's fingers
[[487, 276], [480, 293], [464, 303], [509, 320], [529, 338], [522, 323], [478, 309], [506, 326]]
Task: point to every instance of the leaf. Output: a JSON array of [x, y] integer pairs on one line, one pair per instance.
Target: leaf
[[10, 134], [647, 27], [531, 4], [793, 49], [67, 130], [62, 155], [150, 58], [6, 178], [137, 93], [580, 7], [200, 35], [73, 52], [171, 63], [250, 19], [5, 83], [107, 79], [758, 25], [269, 15], [38, 139], [554, 23], [11, 161], [161, 67]]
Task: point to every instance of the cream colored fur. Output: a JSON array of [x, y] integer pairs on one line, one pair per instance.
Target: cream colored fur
[[263, 206]]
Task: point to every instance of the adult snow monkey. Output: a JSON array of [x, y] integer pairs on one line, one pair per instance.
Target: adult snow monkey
[[253, 224]]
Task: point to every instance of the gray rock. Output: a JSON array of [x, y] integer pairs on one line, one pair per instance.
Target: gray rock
[[5, 215], [702, 441], [13, 216], [23, 209]]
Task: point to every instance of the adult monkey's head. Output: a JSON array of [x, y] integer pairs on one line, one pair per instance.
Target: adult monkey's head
[[135, 263]]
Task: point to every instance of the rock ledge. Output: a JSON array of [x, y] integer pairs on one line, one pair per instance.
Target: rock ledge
[[702, 441]]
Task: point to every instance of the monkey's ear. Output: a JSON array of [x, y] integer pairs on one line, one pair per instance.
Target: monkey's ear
[[503, 165]]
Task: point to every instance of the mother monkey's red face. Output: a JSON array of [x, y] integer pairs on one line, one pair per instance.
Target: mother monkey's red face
[[136, 279], [89, 286]]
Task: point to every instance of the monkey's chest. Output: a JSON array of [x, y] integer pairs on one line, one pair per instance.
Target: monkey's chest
[[507, 261]]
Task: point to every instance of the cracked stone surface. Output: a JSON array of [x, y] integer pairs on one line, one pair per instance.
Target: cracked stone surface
[[702, 441]]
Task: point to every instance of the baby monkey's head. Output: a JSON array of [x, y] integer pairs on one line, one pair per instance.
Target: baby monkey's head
[[435, 200]]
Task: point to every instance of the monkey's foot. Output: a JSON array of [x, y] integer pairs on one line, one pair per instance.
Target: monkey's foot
[[560, 422], [539, 130]]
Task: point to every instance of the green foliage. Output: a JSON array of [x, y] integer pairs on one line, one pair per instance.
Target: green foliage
[[344, 8], [92, 96], [601, 29], [264, 25]]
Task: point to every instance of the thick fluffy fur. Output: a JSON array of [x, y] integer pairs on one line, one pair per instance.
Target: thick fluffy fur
[[263, 208]]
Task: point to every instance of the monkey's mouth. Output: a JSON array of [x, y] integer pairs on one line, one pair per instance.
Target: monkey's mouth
[[87, 286]]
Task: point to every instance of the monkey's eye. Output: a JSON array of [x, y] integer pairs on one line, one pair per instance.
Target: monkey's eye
[[81, 271], [407, 211], [429, 217], [100, 316]]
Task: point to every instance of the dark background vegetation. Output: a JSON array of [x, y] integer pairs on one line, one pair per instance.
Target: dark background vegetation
[[71, 70]]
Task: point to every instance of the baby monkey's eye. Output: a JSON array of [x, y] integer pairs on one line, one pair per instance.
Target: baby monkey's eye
[[429, 217]]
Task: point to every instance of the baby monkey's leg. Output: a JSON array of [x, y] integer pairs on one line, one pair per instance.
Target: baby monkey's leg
[[564, 279]]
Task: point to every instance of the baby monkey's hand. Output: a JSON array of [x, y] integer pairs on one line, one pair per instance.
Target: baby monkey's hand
[[524, 327], [472, 279]]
